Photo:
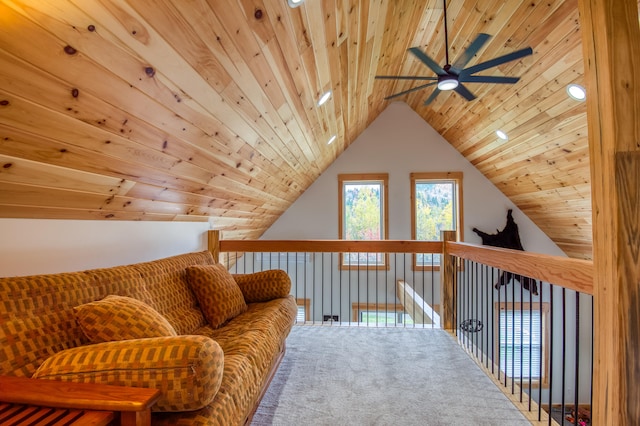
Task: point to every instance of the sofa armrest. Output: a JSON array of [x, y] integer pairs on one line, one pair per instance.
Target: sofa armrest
[[264, 286], [134, 404], [186, 369]]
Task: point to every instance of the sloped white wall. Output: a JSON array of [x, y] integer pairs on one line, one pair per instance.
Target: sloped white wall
[[399, 142], [34, 246]]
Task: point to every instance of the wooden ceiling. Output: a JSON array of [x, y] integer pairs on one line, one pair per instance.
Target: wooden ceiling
[[191, 109]]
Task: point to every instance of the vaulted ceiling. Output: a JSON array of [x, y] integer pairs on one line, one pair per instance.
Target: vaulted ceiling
[[191, 109]]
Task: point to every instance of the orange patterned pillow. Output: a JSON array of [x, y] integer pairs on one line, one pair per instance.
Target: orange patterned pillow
[[264, 285], [219, 296], [187, 369], [121, 318]]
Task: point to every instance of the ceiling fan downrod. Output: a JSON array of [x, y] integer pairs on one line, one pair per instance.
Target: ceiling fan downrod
[[446, 36]]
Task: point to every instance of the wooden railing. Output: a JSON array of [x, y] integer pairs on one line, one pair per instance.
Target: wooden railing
[[459, 292], [494, 325], [363, 293], [572, 274]]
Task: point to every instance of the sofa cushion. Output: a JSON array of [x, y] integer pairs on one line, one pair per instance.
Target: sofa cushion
[[188, 370], [121, 318], [217, 292]]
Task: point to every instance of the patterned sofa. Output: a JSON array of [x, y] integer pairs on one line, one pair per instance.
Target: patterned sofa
[[209, 340]]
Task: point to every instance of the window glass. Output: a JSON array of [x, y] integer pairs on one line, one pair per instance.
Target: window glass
[[436, 206], [385, 317], [363, 210], [363, 216], [522, 344]]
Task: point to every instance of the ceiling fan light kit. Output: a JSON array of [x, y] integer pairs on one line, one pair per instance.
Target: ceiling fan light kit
[[446, 82], [452, 76]]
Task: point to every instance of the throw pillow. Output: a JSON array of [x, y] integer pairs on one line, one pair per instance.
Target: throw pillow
[[121, 318], [264, 285], [217, 292], [187, 369]]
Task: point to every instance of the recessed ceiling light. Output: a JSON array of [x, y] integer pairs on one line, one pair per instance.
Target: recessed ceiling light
[[324, 98], [333, 138], [295, 3], [502, 135], [576, 92]]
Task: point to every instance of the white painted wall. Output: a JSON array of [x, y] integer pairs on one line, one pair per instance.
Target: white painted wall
[[399, 142], [33, 246]]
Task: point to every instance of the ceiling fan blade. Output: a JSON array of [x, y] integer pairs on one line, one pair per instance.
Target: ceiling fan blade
[[432, 97], [464, 92], [404, 77], [497, 61], [427, 61], [471, 51], [410, 90], [488, 79]]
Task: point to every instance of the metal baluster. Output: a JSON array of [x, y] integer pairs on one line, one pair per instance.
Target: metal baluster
[[564, 350], [577, 369], [551, 288], [499, 329], [531, 342], [513, 335], [540, 360], [493, 329], [521, 333]]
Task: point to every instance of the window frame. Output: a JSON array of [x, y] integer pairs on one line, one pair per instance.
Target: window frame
[[364, 178], [545, 337], [418, 177]]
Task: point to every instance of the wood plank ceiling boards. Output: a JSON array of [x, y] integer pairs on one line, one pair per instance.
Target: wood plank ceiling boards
[[174, 110]]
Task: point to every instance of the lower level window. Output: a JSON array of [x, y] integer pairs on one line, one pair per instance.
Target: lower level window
[[522, 340], [383, 314], [304, 313]]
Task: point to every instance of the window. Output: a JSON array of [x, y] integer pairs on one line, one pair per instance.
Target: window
[[363, 216], [382, 314], [436, 205], [304, 313], [522, 340]]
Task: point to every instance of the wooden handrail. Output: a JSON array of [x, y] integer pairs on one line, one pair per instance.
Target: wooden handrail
[[574, 274], [336, 246]]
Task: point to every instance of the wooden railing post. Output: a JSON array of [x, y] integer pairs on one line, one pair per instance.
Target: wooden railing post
[[611, 43], [213, 240], [447, 284]]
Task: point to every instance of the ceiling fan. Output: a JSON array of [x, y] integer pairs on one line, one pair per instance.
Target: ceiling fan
[[451, 77]]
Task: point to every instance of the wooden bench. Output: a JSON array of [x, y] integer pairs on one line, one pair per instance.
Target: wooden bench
[[18, 414], [86, 402]]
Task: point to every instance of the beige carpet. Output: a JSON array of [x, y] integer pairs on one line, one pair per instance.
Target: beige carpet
[[381, 376]]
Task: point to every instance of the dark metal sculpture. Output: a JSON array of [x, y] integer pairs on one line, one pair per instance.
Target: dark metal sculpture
[[509, 238]]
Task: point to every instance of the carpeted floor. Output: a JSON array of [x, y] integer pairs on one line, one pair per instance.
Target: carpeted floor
[[380, 376]]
